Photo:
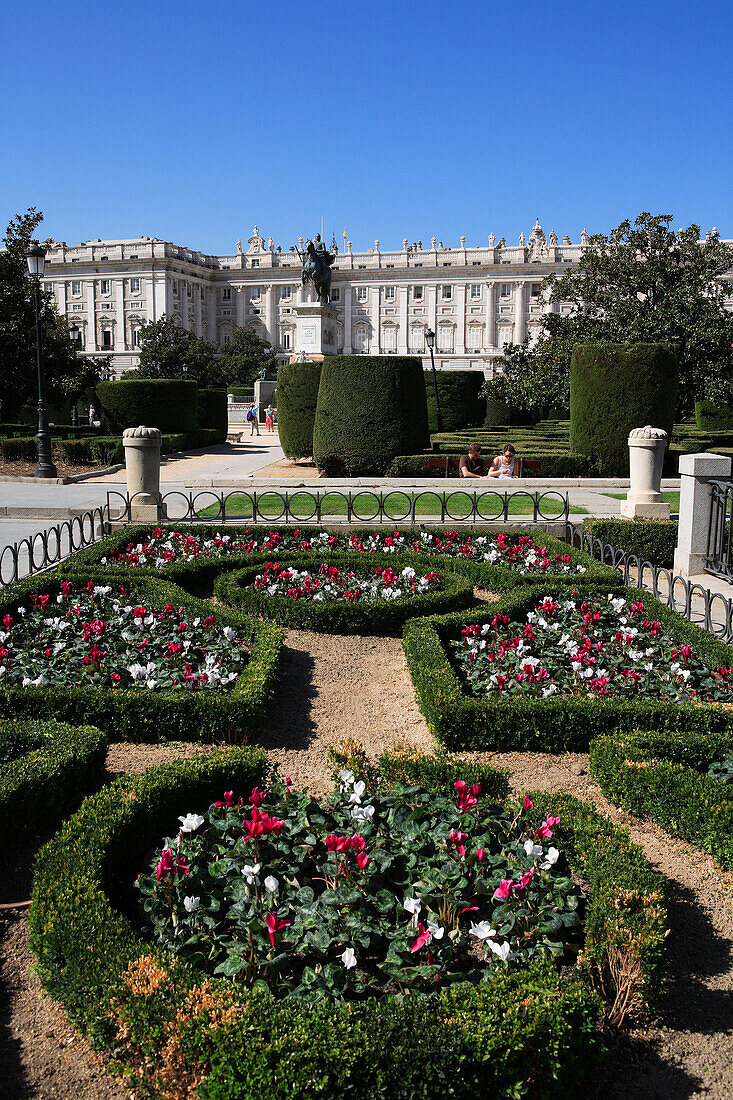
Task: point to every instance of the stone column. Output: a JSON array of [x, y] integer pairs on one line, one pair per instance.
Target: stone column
[[695, 507], [348, 293], [375, 309], [239, 304], [490, 324], [142, 469], [402, 339], [460, 344], [646, 455], [120, 334], [433, 307], [90, 343], [272, 334], [520, 328]]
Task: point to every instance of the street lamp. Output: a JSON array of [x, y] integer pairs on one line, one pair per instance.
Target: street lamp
[[430, 341], [74, 335], [36, 260]]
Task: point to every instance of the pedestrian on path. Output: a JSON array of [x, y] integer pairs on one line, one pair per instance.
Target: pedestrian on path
[[253, 413], [269, 422]]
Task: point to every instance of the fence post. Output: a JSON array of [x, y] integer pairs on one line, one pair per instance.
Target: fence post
[[646, 455], [142, 469], [695, 509]]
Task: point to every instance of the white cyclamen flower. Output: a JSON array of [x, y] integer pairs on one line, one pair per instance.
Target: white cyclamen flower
[[346, 777], [550, 859], [272, 884], [482, 931], [359, 789], [191, 904], [502, 950], [532, 849], [362, 813], [250, 873], [191, 822], [412, 905], [349, 958], [436, 931]]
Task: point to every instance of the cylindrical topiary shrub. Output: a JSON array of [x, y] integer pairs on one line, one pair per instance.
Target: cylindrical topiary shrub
[[297, 396], [165, 403], [496, 412], [370, 409], [459, 393], [617, 387], [213, 411]]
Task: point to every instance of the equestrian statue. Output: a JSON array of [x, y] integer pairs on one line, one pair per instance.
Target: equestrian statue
[[317, 261]]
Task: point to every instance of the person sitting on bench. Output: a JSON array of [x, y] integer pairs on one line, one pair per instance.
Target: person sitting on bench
[[506, 464], [472, 464]]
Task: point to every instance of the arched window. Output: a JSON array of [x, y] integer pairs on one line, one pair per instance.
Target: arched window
[[417, 338], [474, 338]]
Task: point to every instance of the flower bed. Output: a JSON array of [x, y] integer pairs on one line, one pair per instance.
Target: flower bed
[[522, 717], [47, 767], [343, 595], [521, 1032], [586, 646], [149, 664], [670, 778], [362, 895], [497, 558]]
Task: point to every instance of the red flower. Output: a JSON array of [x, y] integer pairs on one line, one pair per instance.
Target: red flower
[[275, 924], [257, 797]]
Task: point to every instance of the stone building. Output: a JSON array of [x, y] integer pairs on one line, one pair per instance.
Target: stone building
[[476, 299]]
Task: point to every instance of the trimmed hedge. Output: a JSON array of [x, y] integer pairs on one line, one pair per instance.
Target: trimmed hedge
[[102, 450], [661, 776], [47, 768], [138, 715], [343, 616], [370, 409], [562, 464], [297, 397], [213, 412], [168, 404], [459, 393], [522, 1033], [652, 540], [617, 387], [202, 570], [710, 417], [461, 721]]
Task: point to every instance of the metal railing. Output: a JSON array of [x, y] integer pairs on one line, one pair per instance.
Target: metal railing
[[711, 610], [40, 551], [363, 506], [719, 559]]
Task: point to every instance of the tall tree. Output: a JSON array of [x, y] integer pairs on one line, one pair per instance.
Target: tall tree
[[245, 356], [643, 283], [169, 351], [66, 376]]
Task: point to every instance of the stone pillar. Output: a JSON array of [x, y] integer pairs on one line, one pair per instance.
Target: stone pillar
[[142, 467], [120, 335], [490, 329], [460, 344], [695, 506], [519, 317], [272, 334], [646, 455], [239, 306], [348, 293], [403, 335]]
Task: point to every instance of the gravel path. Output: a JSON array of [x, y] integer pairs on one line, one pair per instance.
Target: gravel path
[[688, 1053]]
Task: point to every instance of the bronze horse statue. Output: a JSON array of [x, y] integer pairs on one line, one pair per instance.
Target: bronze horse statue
[[317, 261]]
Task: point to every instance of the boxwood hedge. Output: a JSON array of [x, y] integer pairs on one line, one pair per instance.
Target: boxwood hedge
[[165, 403], [47, 768], [297, 396], [522, 1033], [201, 571], [138, 715], [652, 540], [662, 776], [461, 721]]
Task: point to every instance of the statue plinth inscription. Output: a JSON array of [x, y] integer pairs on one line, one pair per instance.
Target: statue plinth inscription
[[316, 330]]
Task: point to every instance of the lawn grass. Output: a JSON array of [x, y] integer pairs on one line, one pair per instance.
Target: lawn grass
[[671, 498], [270, 506]]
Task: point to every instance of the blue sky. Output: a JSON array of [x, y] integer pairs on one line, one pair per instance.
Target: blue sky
[[191, 122]]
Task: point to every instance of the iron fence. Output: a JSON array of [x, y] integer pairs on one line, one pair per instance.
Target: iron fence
[[711, 610], [719, 559], [364, 506], [46, 548]]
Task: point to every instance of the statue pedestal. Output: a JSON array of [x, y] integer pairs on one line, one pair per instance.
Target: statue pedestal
[[316, 331]]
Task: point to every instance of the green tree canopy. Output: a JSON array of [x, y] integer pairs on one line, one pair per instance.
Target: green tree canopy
[[67, 376], [169, 351], [643, 283], [243, 358]]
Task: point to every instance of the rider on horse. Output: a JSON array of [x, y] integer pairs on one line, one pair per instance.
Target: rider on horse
[[317, 261]]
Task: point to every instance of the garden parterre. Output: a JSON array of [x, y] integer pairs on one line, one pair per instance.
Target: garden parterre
[[524, 1031]]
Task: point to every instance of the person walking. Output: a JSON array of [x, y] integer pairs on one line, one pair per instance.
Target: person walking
[[252, 419], [92, 414], [269, 422]]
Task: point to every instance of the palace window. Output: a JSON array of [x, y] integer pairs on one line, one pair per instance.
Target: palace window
[[362, 293], [445, 337], [417, 294], [286, 292], [189, 290], [336, 295], [134, 286], [475, 290], [446, 292], [536, 290], [136, 337], [389, 338], [104, 286], [255, 263], [361, 338], [76, 289], [474, 338], [506, 290], [285, 341], [226, 294], [389, 294], [417, 338], [106, 339], [255, 294], [226, 338]]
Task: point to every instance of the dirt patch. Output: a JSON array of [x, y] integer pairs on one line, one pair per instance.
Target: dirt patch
[[124, 758], [28, 469], [287, 469], [688, 1050]]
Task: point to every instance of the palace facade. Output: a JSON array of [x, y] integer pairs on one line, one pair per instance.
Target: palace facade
[[476, 299]]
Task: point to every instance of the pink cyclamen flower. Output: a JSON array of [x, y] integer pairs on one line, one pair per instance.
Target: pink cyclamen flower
[[525, 880], [422, 939], [528, 803], [545, 829], [480, 853], [228, 799], [504, 889], [257, 797], [362, 860], [275, 924], [458, 838]]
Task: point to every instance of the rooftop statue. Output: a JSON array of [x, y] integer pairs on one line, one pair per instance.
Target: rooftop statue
[[317, 261]]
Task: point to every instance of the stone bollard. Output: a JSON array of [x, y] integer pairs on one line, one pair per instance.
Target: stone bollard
[[646, 455], [695, 507], [142, 466]]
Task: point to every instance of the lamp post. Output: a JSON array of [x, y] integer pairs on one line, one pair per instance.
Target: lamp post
[[430, 341], [74, 334], [36, 260]]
